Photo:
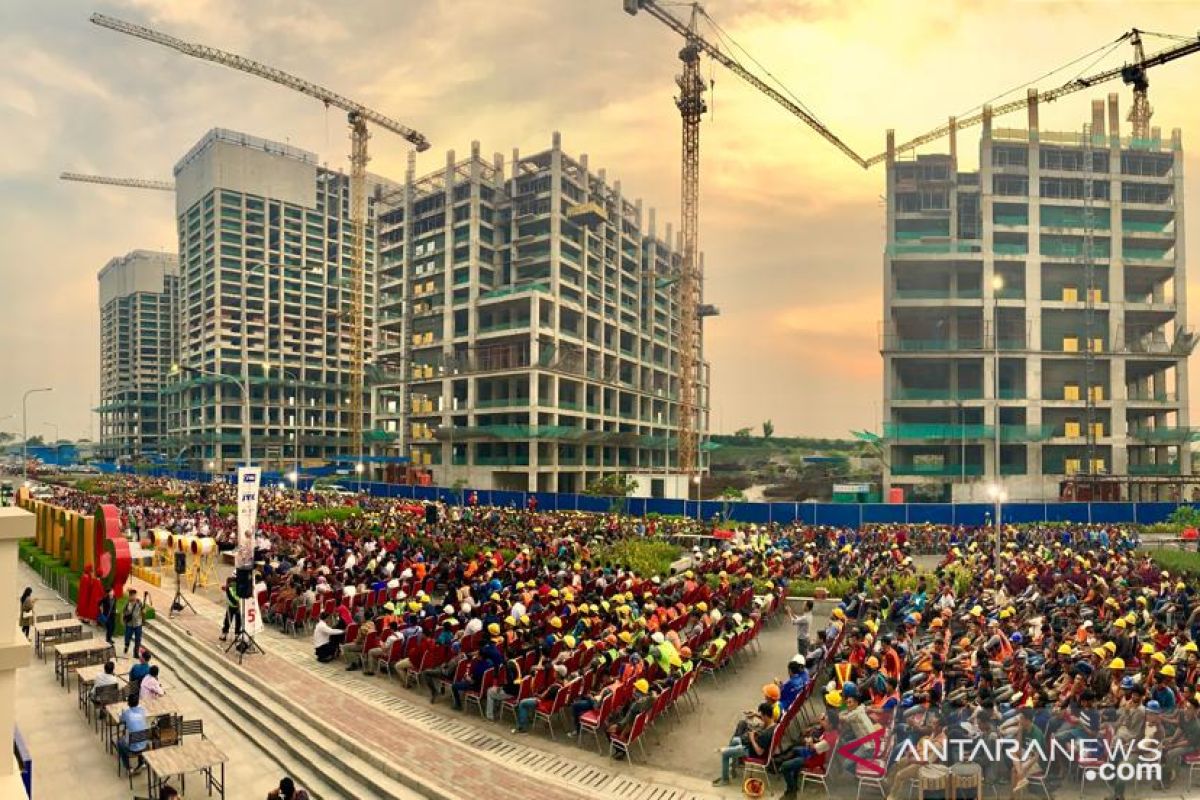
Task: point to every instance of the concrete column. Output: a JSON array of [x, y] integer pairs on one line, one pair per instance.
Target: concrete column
[[1181, 320], [1114, 119], [1119, 425], [15, 524], [1097, 118]]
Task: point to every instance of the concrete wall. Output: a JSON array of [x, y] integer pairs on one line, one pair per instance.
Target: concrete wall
[[256, 167], [15, 524], [137, 271]]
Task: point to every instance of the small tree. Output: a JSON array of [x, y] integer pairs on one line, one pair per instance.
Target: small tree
[[742, 433], [615, 485], [35, 441], [768, 429], [733, 495]]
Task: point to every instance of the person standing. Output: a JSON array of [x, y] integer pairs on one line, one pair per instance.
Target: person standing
[[803, 623], [27, 603], [233, 609], [132, 617], [108, 614]]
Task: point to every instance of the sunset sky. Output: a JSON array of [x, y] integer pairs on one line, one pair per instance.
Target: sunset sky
[[793, 231]]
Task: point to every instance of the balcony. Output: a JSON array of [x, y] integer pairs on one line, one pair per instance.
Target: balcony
[[1154, 469], [1025, 433], [937, 394], [924, 431], [1166, 435], [937, 470]]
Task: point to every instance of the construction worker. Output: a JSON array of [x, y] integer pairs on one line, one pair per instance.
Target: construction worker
[[233, 609]]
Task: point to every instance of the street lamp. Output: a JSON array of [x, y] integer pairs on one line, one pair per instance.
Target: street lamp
[[998, 495], [25, 430], [358, 469], [245, 389], [997, 286], [696, 482], [296, 420]]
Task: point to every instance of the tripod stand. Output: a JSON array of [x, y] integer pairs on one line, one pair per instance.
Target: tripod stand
[[179, 602], [242, 640]]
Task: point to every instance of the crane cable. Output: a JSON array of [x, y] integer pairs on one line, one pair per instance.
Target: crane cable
[[1107, 45], [732, 44]]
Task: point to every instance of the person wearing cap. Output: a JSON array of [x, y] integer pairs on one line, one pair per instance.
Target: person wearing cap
[[622, 719], [1164, 690]]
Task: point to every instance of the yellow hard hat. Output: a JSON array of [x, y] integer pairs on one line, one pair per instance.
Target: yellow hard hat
[[555, 622], [1117, 663], [1159, 658], [1147, 648], [1119, 623], [1064, 649], [1168, 670], [1190, 647], [834, 699], [976, 611], [569, 641], [1111, 647], [494, 629], [642, 685]]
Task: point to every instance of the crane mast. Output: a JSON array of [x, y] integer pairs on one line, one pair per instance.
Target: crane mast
[[691, 105], [690, 102], [1135, 75], [358, 116]]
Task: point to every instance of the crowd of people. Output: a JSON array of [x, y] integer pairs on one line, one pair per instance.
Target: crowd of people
[[1079, 636]]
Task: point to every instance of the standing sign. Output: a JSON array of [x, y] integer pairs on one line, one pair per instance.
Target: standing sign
[[247, 508], [247, 504]]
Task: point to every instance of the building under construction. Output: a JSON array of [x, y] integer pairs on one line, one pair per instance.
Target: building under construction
[[264, 263], [529, 327], [1035, 312]]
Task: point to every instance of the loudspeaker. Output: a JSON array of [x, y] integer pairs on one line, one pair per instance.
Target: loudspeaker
[[245, 582], [431, 514], [180, 563]]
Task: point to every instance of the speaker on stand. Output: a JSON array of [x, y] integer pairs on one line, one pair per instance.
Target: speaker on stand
[[179, 602]]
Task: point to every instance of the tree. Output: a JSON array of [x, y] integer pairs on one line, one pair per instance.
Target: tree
[[35, 441], [733, 494], [742, 433], [768, 429], [614, 485], [6, 437]]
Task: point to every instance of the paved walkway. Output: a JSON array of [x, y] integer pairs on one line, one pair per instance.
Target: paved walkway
[[68, 755]]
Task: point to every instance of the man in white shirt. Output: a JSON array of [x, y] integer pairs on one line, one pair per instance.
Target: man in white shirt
[[326, 640], [109, 678]]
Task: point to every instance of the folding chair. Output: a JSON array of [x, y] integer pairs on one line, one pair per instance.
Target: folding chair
[[623, 744]]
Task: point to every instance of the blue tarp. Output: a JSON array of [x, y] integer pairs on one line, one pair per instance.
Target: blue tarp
[[837, 514]]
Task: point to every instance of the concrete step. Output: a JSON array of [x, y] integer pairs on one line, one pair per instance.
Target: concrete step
[[314, 754]]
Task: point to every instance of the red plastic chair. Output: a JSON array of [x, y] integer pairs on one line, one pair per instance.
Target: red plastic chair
[[592, 721], [476, 696], [624, 744]]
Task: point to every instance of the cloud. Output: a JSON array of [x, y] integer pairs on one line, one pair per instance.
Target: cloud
[[791, 229]]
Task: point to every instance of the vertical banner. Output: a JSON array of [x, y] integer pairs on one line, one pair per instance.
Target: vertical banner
[[252, 615], [247, 506]]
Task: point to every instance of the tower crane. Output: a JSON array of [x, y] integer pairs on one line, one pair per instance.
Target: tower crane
[[691, 105], [129, 183], [358, 116], [1133, 74]]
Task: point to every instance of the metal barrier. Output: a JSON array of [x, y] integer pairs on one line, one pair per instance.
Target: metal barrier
[[841, 515]]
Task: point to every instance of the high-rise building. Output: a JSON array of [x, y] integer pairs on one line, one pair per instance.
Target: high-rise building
[[264, 252], [529, 327], [1035, 314], [138, 335]]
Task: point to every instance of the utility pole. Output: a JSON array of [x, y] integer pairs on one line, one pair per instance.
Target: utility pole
[[25, 430]]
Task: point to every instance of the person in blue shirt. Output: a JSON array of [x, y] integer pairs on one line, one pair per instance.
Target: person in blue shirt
[[793, 687], [134, 720], [140, 669]]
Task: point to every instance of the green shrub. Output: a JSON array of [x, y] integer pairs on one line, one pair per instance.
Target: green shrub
[[336, 513], [646, 557], [836, 587], [1179, 562]]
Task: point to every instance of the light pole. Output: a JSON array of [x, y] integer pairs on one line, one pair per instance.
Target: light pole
[[243, 385], [997, 285], [696, 482], [358, 470], [962, 446], [25, 430], [998, 497], [299, 409]]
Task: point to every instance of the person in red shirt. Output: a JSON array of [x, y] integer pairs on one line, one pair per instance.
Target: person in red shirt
[[811, 756]]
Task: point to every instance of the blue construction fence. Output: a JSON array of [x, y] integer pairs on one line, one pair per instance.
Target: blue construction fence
[[842, 515]]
